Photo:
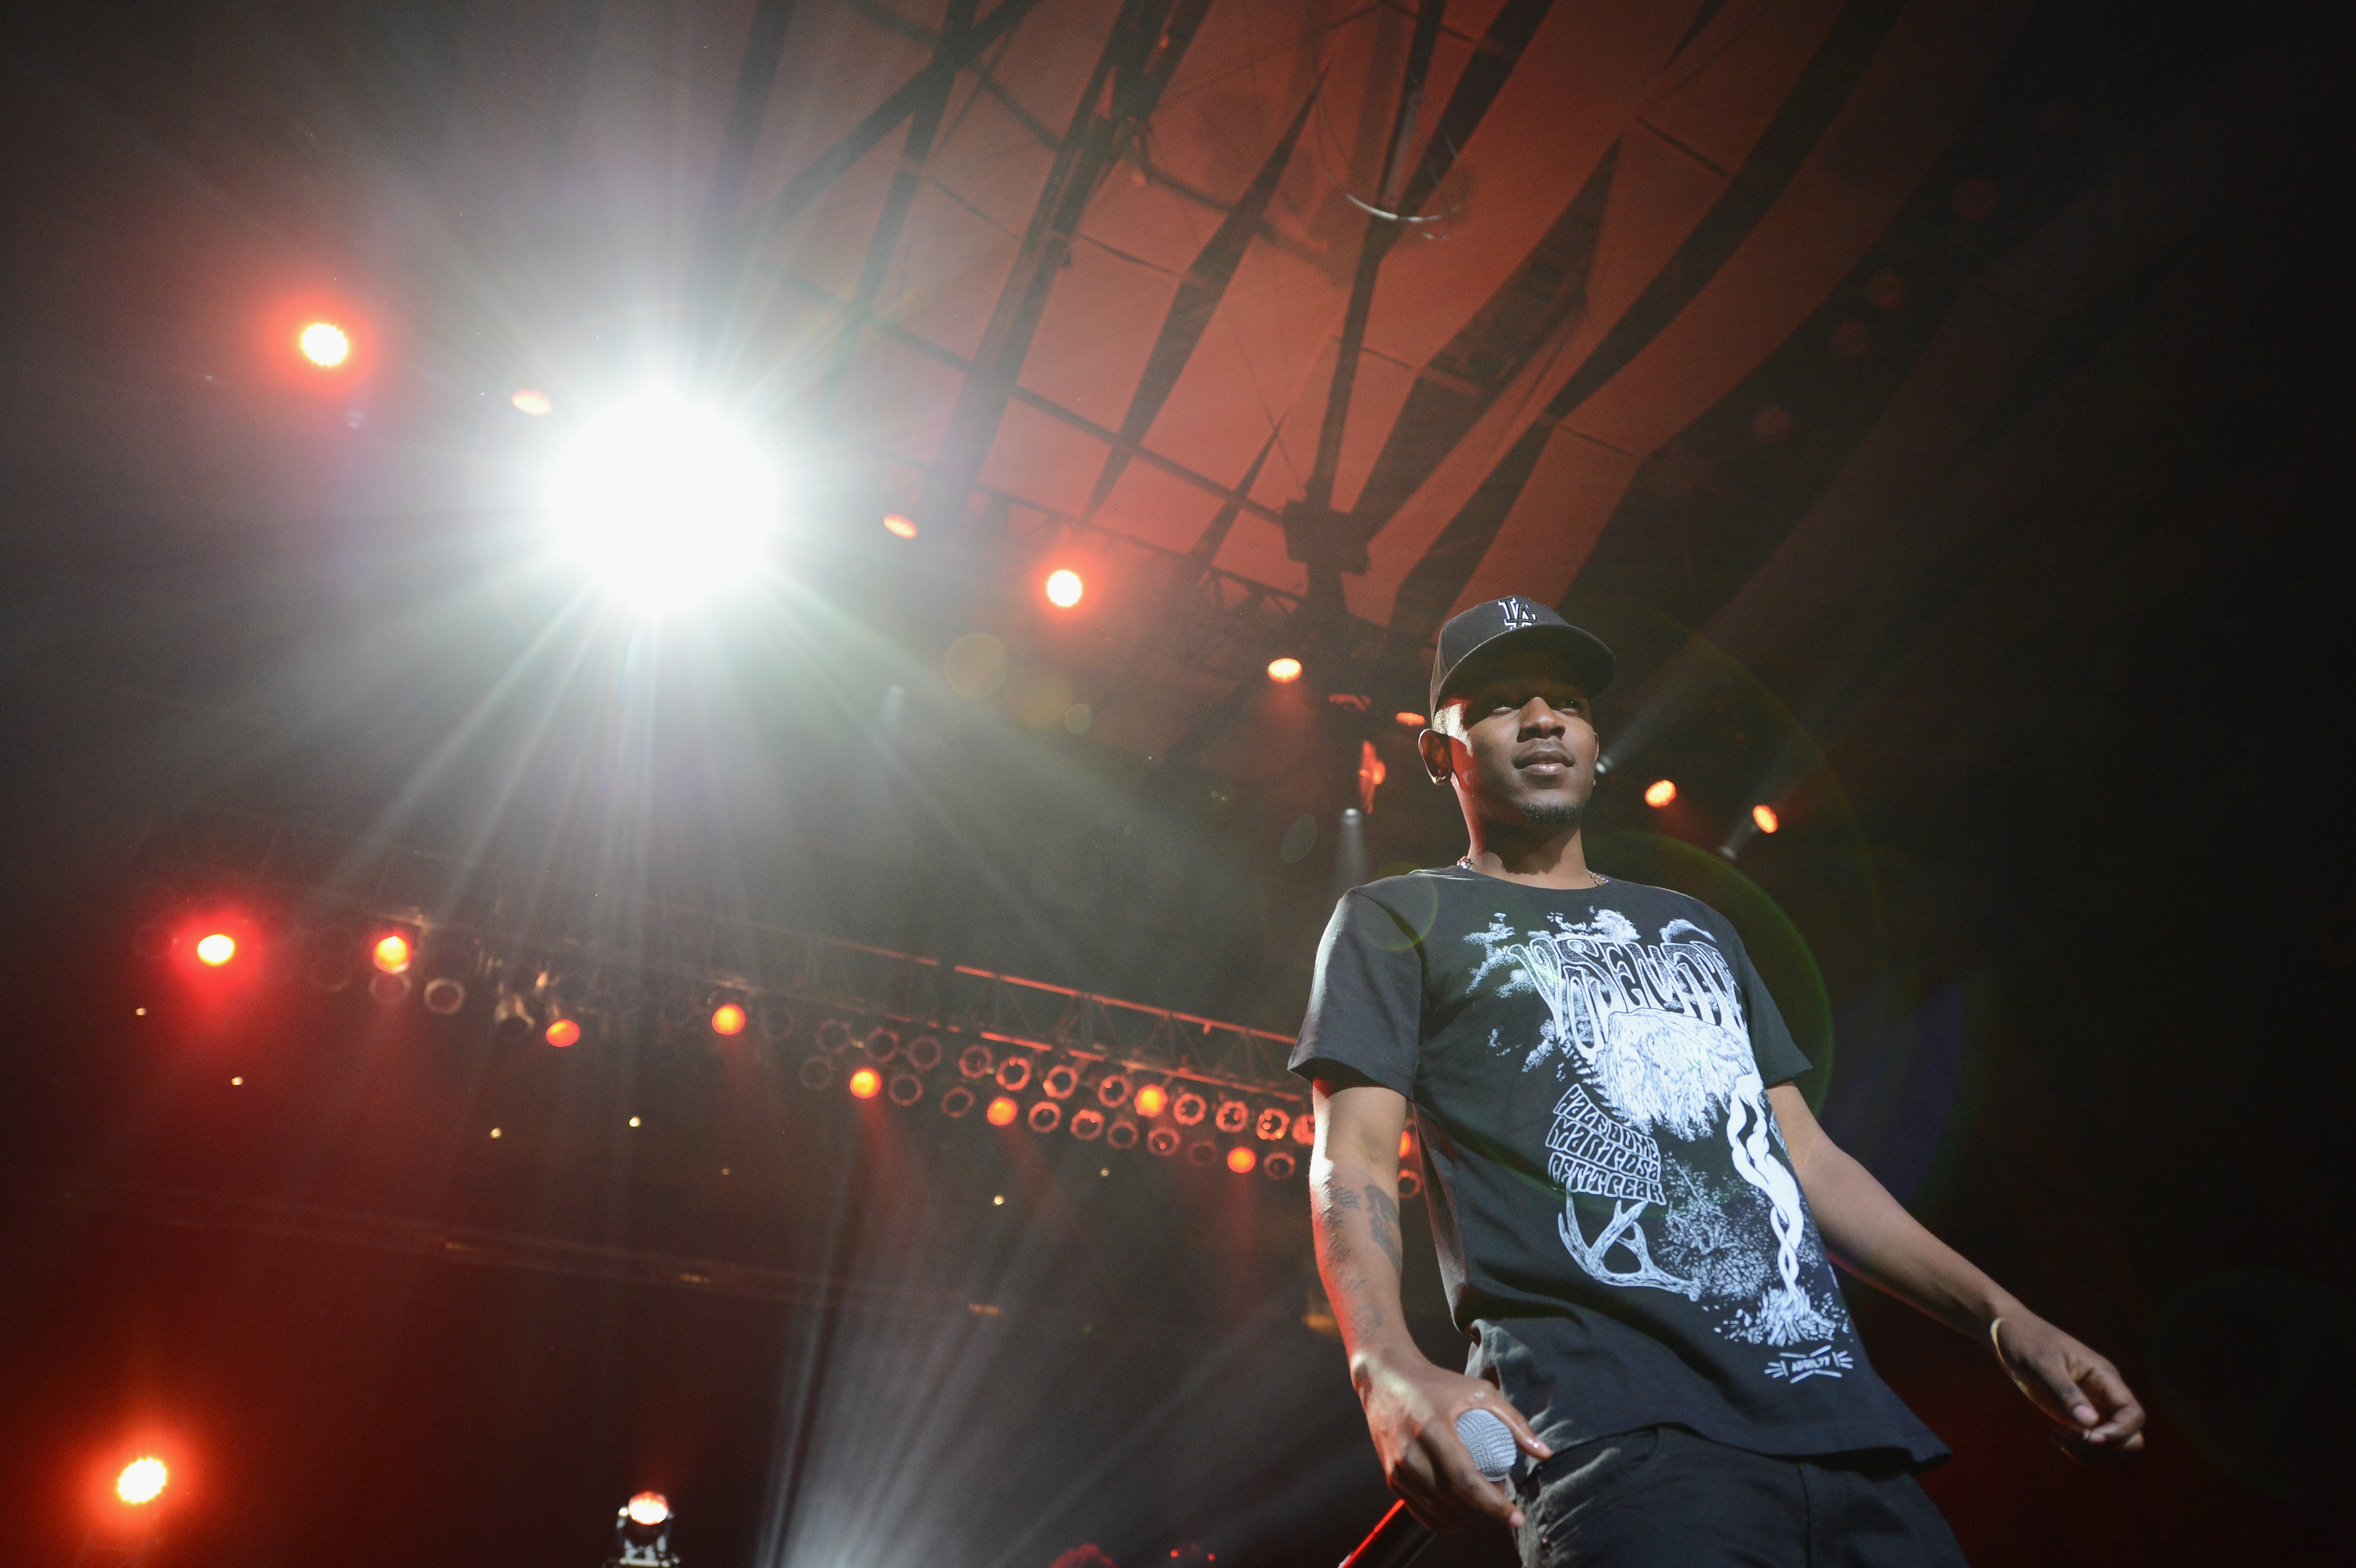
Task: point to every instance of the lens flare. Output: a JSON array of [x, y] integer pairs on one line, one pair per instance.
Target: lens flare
[[899, 526], [563, 1032], [1764, 815], [1412, 720], [216, 949], [1660, 792], [533, 401], [1241, 1160], [1152, 1100], [1284, 671], [1002, 1111], [392, 953], [1064, 588], [325, 344], [866, 1083], [141, 1480], [649, 1508], [728, 1018]]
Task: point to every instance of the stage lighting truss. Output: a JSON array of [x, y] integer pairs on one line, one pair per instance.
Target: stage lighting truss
[[1069, 1062]]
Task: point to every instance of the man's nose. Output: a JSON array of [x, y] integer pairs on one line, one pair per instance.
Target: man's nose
[[1539, 716]]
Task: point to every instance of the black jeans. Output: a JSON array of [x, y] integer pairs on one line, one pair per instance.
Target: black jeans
[[1663, 1495]]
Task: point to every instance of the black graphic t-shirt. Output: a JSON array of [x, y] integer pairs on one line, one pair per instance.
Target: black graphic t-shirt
[[1619, 1226]]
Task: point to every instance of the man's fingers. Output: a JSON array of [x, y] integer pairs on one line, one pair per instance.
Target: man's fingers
[[1524, 1437], [2049, 1385], [2123, 1417], [1471, 1489]]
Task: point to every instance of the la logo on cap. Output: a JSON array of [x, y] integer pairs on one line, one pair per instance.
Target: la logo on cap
[[1518, 612]]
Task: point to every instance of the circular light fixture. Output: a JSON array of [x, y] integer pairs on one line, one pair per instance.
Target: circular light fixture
[[1241, 1160], [663, 500], [1045, 1116], [1410, 1185], [818, 1071], [866, 1083], [391, 953], [1064, 588], [1304, 1129], [1087, 1123], [834, 1036], [1014, 1073], [1284, 671], [325, 345], [1112, 1091], [444, 996], [1061, 1079], [216, 949], [975, 1062], [649, 1508], [1277, 1165], [1002, 1110], [1233, 1116], [1152, 1100], [142, 1480], [728, 1018], [1660, 792], [882, 1044], [1162, 1141], [899, 526], [1765, 817], [924, 1052], [1274, 1123], [1122, 1133], [956, 1102], [563, 1032], [906, 1089], [1189, 1108]]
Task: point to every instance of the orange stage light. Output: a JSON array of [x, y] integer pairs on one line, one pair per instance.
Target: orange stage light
[[899, 526], [563, 1032], [1152, 1100], [728, 1018], [1412, 720], [649, 1508], [1407, 1144], [1660, 792], [141, 1480], [392, 953], [216, 949], [533, 401], [1002, 1111], [1764, 815], [866, 1083], [1241, 1160], [1284, 671], [325, 344], [1064, 588]]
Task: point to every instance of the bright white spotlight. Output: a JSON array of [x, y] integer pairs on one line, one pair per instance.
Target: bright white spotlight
[[664, 501]]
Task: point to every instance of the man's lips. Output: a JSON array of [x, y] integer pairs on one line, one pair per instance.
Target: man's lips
[[1546, 758]]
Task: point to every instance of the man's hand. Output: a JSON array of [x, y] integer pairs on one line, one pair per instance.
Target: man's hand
[[2077, 1388], [1411, 1409]]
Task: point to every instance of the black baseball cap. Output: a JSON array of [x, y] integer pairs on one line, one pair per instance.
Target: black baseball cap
[[1526, 622]]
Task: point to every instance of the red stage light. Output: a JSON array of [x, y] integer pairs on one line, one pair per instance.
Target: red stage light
[[1660, 792], [392, 953], [1241, 1160], [1407, 1144], [1764, 815], [1152, 1100], [216, 949], [649, 1508], [1002, 1111], [1284, 671], [325, 345], [866, 1083], [727, 1019], [1412, 720], [899, 526], [1064, 588], [563, 1032], [141, 1480]]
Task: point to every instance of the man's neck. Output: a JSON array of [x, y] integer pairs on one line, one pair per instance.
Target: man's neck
[[1542, 859]]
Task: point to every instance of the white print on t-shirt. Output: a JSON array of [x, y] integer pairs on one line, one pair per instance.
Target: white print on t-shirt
[[1824, 1361], [1653, 1040]]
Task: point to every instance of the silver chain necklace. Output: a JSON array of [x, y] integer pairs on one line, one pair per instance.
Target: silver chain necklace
[[1594, 879]]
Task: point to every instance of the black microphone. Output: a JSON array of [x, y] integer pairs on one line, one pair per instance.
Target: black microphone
[[1400, 1538]]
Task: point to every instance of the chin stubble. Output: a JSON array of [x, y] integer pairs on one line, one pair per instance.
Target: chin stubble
[[1550, 814]]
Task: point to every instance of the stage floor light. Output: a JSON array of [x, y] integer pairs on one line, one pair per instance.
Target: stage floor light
[[325, 345], [1152, 1100], [1064, 588], [866, 1083], [727, 1019], [142, 1480], [1240, 1160], [648, 1508], [664, 501], [216, 949], [1285, 670], [391, 953], [1002, 1111]]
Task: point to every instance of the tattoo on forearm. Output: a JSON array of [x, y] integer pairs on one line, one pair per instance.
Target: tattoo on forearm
[[1382, 1218]]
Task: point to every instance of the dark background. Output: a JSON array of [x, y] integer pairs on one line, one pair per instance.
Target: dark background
[[2061, 904]]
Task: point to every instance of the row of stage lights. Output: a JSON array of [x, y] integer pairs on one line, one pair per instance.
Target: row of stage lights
[[1087, 1097]]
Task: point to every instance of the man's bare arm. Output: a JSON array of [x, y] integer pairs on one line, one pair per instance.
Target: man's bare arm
[[1411, 1406], [1872, 1233]]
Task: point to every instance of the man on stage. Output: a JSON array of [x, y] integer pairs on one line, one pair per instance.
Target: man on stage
[[1632, 1202]]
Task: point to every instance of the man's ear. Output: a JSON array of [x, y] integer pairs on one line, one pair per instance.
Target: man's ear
[[1438, 761]]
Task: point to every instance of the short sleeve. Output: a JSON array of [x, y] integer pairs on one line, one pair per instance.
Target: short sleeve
[[1780, 1060], [1366, 1004]]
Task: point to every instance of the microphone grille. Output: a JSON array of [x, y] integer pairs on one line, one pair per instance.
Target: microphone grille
[[1490, 1441]]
